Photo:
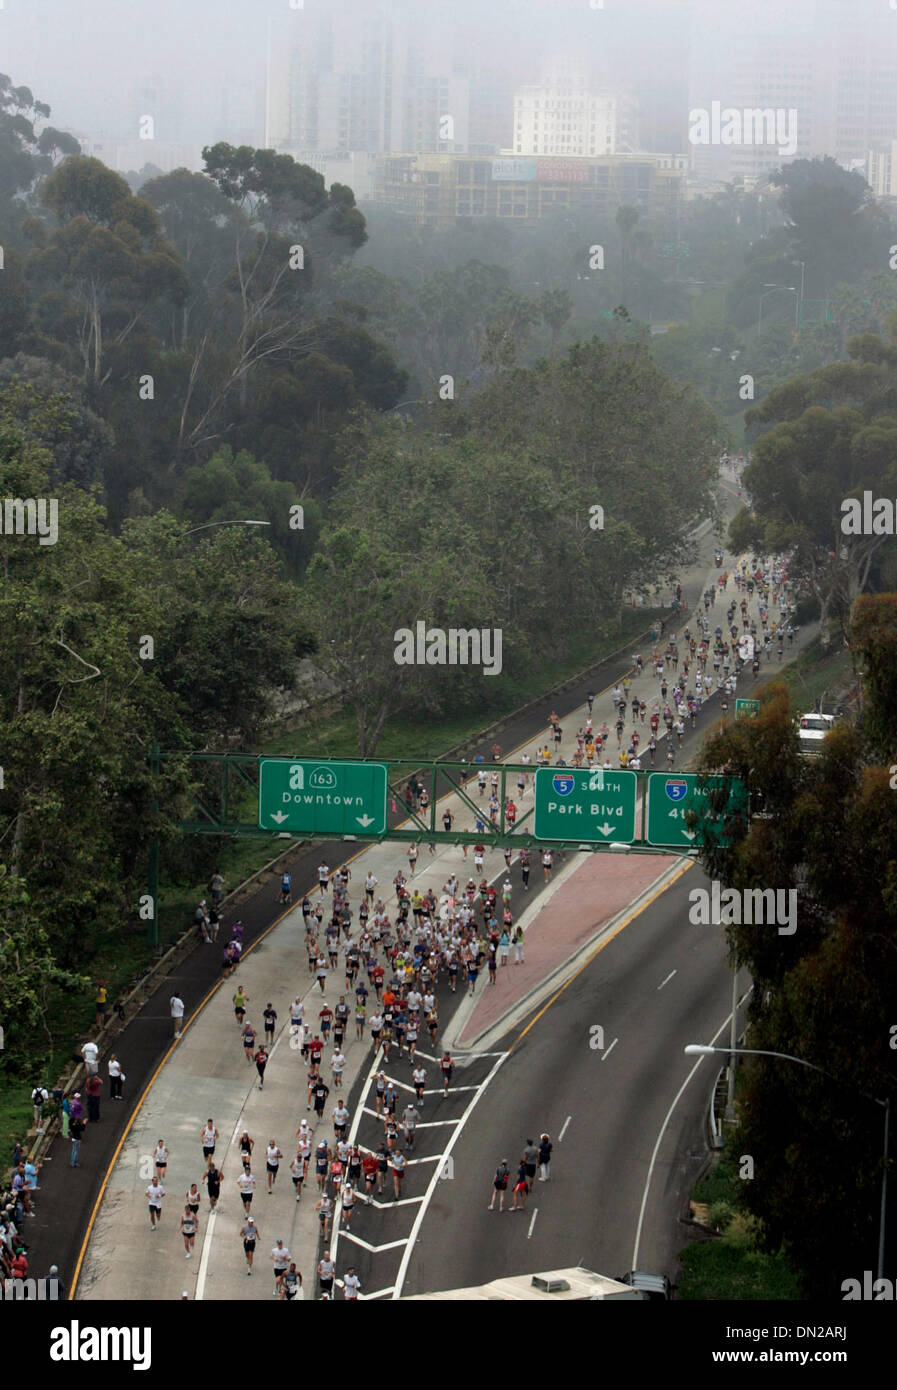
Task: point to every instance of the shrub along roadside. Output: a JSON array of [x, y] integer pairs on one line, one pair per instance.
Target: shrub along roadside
[[732, 1265]]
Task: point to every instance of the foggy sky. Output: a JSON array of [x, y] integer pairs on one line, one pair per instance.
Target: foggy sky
[[86, 58]]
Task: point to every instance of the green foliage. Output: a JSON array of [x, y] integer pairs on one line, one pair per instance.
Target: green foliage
[[828, 830]]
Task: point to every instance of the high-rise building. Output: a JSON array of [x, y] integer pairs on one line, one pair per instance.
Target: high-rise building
[[881, 171], [565, 115], [491, 124], [832, 63], [347, 78]]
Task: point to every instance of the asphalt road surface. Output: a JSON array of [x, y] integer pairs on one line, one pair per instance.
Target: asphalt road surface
[[610, 1105]]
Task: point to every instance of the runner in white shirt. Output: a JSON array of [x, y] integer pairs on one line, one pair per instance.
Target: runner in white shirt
[[352, 1283], [348, 1204], [337, 1066], [154, 1194], [323, 877], [297, 1172], [370, 884], [296, 1014], [281, 1257], [246, 1184], [273, 1156]]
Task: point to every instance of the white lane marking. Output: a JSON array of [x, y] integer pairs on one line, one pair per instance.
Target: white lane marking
[[380, 1293], [204, 1257], [641, 1216], [667, 980], [374, 1249], [402, 1202], [418, 1222], [210, 1225], [431, 1124], [532, 1224], [564, 1130], [610, 1049]]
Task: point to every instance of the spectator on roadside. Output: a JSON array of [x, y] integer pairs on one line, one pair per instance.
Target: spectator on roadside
[[102, 1005], [51, 1287], [76, 1130], [39, 1097], [93, 1087], [216, 887], [116, 1077]]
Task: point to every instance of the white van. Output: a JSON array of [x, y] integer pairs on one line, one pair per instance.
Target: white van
[[560, 1286], [812, 729]]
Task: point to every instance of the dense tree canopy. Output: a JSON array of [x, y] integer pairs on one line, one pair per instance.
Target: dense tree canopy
[[825, 994]]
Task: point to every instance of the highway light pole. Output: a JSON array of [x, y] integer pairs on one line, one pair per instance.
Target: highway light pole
[[699, 1050], [152, 926], [206, 524], [800, 312], [767, 290]]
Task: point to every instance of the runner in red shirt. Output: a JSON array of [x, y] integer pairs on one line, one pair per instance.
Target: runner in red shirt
[[446, 1066]]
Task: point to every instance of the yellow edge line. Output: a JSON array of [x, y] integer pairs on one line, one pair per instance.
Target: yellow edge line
[[607, 940], [146, 1090]]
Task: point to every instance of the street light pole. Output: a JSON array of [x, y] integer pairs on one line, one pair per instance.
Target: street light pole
[[768, 290], [800, 316], [207, 524], [700, 1050]]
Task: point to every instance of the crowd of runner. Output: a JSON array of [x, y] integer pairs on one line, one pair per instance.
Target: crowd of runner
[[384, 969]]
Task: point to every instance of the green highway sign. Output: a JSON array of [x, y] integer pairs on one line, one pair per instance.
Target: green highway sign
[[746, 707], [592, 806], [670, 797], [304, 796]]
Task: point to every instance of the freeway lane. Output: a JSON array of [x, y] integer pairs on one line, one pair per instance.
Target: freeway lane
[[588, 1213]]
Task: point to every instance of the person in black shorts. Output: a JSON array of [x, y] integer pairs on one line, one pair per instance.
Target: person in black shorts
[[326, 1273], [270, 1017], [249, 1232], [382, 1166], [354, 1167], [321, 1092], [500, 1184], [322, 1163], [246, 1147], [212, 1179]]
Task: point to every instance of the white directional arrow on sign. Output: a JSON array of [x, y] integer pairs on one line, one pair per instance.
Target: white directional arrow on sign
[[278, 816], [606, 829], [364, 821]]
